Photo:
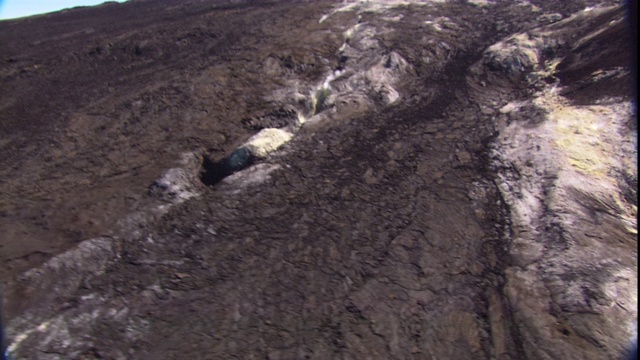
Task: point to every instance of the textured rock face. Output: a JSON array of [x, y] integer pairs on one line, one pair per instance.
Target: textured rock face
[[560, 173], [266, 141], [393, 179]]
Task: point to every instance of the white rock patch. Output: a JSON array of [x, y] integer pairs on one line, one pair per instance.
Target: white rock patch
[[267, 141], [176, 185], [251, 176]]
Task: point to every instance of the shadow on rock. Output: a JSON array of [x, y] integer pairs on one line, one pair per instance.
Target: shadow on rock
[[214, 172]]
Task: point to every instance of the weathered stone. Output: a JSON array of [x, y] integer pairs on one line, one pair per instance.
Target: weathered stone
[[461, 184], [266, 141]]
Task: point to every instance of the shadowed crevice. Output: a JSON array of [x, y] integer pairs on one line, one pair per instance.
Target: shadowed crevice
[[213, 172]]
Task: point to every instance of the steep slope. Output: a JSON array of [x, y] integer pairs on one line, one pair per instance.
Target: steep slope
[[98, 102], [426, 179]]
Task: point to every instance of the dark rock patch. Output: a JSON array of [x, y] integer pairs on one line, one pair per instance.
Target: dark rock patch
[[214, 171]]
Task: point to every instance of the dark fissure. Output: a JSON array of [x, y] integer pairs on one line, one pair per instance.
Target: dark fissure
[[213, 172]]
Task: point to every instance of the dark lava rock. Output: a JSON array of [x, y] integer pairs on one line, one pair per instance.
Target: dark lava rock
[[214, 172], [465, 191]]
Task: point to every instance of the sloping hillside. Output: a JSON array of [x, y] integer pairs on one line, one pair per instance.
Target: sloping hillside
[[296, 179]]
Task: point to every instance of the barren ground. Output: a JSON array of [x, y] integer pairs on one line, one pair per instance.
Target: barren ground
[[450, 180]]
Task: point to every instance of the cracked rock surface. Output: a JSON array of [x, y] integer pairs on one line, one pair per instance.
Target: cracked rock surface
[[432, 180]]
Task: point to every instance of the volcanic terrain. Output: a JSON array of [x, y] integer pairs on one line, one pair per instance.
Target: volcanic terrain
[[216, 179]]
